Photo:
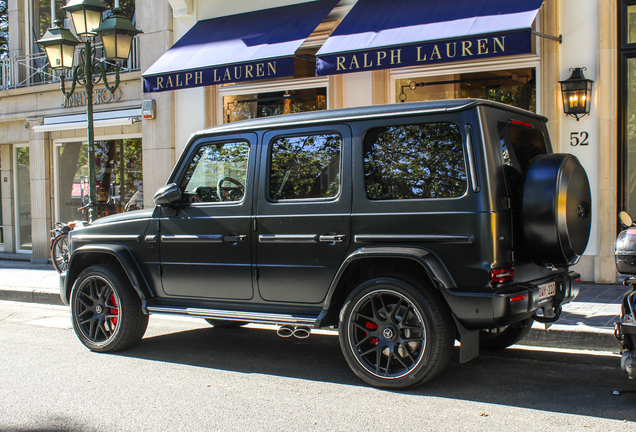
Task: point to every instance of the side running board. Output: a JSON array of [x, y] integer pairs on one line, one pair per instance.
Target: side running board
[[253, 317]]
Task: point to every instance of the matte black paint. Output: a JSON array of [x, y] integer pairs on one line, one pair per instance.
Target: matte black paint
[[294, 258]]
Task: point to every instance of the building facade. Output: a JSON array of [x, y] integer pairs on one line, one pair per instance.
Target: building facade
[[304, 71]]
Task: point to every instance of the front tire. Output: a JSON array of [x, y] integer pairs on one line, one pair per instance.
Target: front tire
[[394, 335], [106, 310]]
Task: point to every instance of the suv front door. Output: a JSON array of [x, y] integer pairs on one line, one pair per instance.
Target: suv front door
[[206, 246], [303, 212]]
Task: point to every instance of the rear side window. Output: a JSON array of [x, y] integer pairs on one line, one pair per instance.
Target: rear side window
[[414, 162], [305, 167], [520, 145]]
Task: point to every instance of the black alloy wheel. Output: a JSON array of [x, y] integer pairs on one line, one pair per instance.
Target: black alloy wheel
[[394, 335], [106, 311]]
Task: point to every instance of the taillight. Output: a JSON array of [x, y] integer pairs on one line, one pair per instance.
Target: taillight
[[503, 275], [517, 122]]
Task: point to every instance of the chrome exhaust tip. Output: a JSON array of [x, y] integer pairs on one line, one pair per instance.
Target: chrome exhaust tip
[[302, 332], [285, 331]]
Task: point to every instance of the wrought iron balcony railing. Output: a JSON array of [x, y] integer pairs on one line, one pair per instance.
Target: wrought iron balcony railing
[[26, 71]]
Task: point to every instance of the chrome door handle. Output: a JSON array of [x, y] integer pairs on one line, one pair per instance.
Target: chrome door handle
[[337, 238]]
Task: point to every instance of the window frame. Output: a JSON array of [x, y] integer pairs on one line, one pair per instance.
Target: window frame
[[462, 143], [178, 179], [626, 52], [270, 148]]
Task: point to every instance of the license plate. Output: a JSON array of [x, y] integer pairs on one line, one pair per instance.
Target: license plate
[[547, 290]]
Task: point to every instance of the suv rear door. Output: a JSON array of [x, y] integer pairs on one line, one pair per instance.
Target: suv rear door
[[303, 212]]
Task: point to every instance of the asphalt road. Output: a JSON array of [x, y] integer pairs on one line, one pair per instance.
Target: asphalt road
[[187, 376]]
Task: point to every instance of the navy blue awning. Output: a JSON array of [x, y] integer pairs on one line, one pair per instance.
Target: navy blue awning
[[379, 34], [250, 46]]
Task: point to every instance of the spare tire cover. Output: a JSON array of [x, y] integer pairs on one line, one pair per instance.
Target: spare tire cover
[[556, 210]]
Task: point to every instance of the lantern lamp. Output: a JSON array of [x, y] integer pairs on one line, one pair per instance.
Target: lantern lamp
[[86, 14], [59, 44], [577, 94], [117, 34]]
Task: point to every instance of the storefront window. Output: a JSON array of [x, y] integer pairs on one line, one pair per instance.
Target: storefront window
[[1, 228], [630, 139], [118, 168], [249, 106], [23, 194], [631, 24], [513, 87]]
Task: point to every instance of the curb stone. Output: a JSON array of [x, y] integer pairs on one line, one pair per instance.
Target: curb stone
[[31, 296], [573, 337]]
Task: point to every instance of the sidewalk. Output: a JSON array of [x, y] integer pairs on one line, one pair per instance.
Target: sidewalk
[[586, 323]]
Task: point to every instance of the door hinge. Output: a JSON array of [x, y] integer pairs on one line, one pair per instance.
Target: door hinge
[[255, 224], [160, 270], [158, 226], [256, 275]]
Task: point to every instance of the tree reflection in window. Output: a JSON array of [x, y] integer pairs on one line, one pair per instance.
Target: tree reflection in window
[[414, 161], [305, 167], [213, 162]]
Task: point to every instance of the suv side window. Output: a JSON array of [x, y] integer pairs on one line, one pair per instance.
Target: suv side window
[[217, 172], [305, 167], [414, 162]]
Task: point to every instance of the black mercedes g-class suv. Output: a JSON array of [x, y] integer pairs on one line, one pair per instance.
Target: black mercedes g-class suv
[[405, 226]]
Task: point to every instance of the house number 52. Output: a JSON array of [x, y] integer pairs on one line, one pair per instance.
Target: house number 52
[[579, 138]]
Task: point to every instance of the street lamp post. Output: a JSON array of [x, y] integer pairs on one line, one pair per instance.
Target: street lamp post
[[59, 43]]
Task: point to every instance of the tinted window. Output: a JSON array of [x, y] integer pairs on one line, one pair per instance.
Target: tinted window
[[217, 172], [414, 161], [305, 167], [521, 145]]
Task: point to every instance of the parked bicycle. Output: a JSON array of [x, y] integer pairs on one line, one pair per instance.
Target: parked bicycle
[[59, 244]]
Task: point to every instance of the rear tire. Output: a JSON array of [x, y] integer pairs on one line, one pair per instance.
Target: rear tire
[[395, 335], [106, 310], [501, 338]]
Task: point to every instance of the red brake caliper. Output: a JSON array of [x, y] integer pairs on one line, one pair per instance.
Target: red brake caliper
[[113, 302], [372, 326]]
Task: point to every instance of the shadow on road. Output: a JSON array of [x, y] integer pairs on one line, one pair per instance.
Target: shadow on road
[[573, 383]]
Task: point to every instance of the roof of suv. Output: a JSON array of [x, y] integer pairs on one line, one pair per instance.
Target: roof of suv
[[388, 110]]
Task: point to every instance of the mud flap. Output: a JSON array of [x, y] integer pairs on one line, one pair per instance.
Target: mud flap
[[469, 342]]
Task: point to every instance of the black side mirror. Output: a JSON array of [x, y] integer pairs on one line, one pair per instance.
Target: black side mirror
[[168, 195]]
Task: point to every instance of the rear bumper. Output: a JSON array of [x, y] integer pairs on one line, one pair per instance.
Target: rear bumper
[[482, 310]]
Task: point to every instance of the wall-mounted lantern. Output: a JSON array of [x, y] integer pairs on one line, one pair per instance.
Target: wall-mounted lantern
[[577, 94]]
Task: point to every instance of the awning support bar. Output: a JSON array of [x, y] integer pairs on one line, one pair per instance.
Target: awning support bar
[[558, 38]]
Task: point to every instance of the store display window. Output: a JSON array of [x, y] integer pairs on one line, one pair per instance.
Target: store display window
[[516, 87], [119, 178]]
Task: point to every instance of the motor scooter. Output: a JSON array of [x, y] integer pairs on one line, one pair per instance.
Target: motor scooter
[[625, 330]]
